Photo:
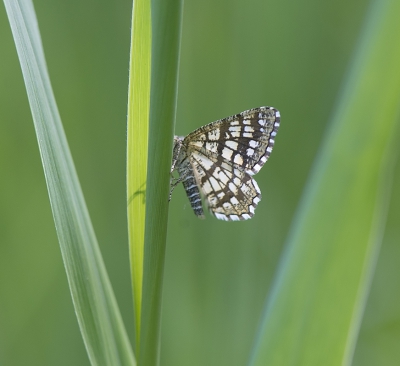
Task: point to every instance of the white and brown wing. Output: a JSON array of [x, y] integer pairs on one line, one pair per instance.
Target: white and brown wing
[[221, 158], [231, 193], [244, 140]]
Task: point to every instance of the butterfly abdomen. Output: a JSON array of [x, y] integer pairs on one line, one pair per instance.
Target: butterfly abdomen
[[192, 189]]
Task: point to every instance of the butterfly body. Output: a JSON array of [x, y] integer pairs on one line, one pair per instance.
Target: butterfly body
[[218, 161]]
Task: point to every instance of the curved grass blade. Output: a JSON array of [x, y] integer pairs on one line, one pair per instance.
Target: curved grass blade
[[98, 315], [314, 311]]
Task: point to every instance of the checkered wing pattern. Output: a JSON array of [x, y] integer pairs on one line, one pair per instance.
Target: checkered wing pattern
[[223, 156]]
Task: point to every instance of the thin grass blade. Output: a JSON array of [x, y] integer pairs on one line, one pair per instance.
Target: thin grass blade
[[166, 35], [137, 149], [98, 315]]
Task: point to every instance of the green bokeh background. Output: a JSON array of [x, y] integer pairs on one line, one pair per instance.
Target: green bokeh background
[[235, 55]]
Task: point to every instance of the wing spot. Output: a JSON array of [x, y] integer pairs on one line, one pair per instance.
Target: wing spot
[[215, 184], [227, 153], [233, 188], [221, 195], [234, 201], [244, 188], [212, 146], [213, 135], [253, 143], [206, 187], [238, 159], [226, 166], [223, 177], [237, 181], [200, 161], [232, 144], [256, 168], [250, 152], [227, 206], [257, 188], [221, 216]]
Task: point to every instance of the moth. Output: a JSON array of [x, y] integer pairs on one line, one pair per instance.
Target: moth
[[218, 161]]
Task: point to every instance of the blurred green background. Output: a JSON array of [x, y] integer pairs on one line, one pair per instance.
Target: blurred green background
[[235, 55]]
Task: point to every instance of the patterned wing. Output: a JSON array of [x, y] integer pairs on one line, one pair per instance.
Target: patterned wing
[[231, 193], [244, 140]]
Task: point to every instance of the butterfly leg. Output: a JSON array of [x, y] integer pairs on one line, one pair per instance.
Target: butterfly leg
[[174, 183]]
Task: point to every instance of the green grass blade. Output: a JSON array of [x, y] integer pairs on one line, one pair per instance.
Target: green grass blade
[[166, 33], [138, 130], [151, 112], [95, 305], [313, 314]]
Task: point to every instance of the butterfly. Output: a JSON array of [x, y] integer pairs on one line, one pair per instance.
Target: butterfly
[[217, 161]]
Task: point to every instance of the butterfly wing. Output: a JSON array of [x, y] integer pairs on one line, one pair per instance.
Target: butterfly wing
[[230, 192], [244, 140]]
